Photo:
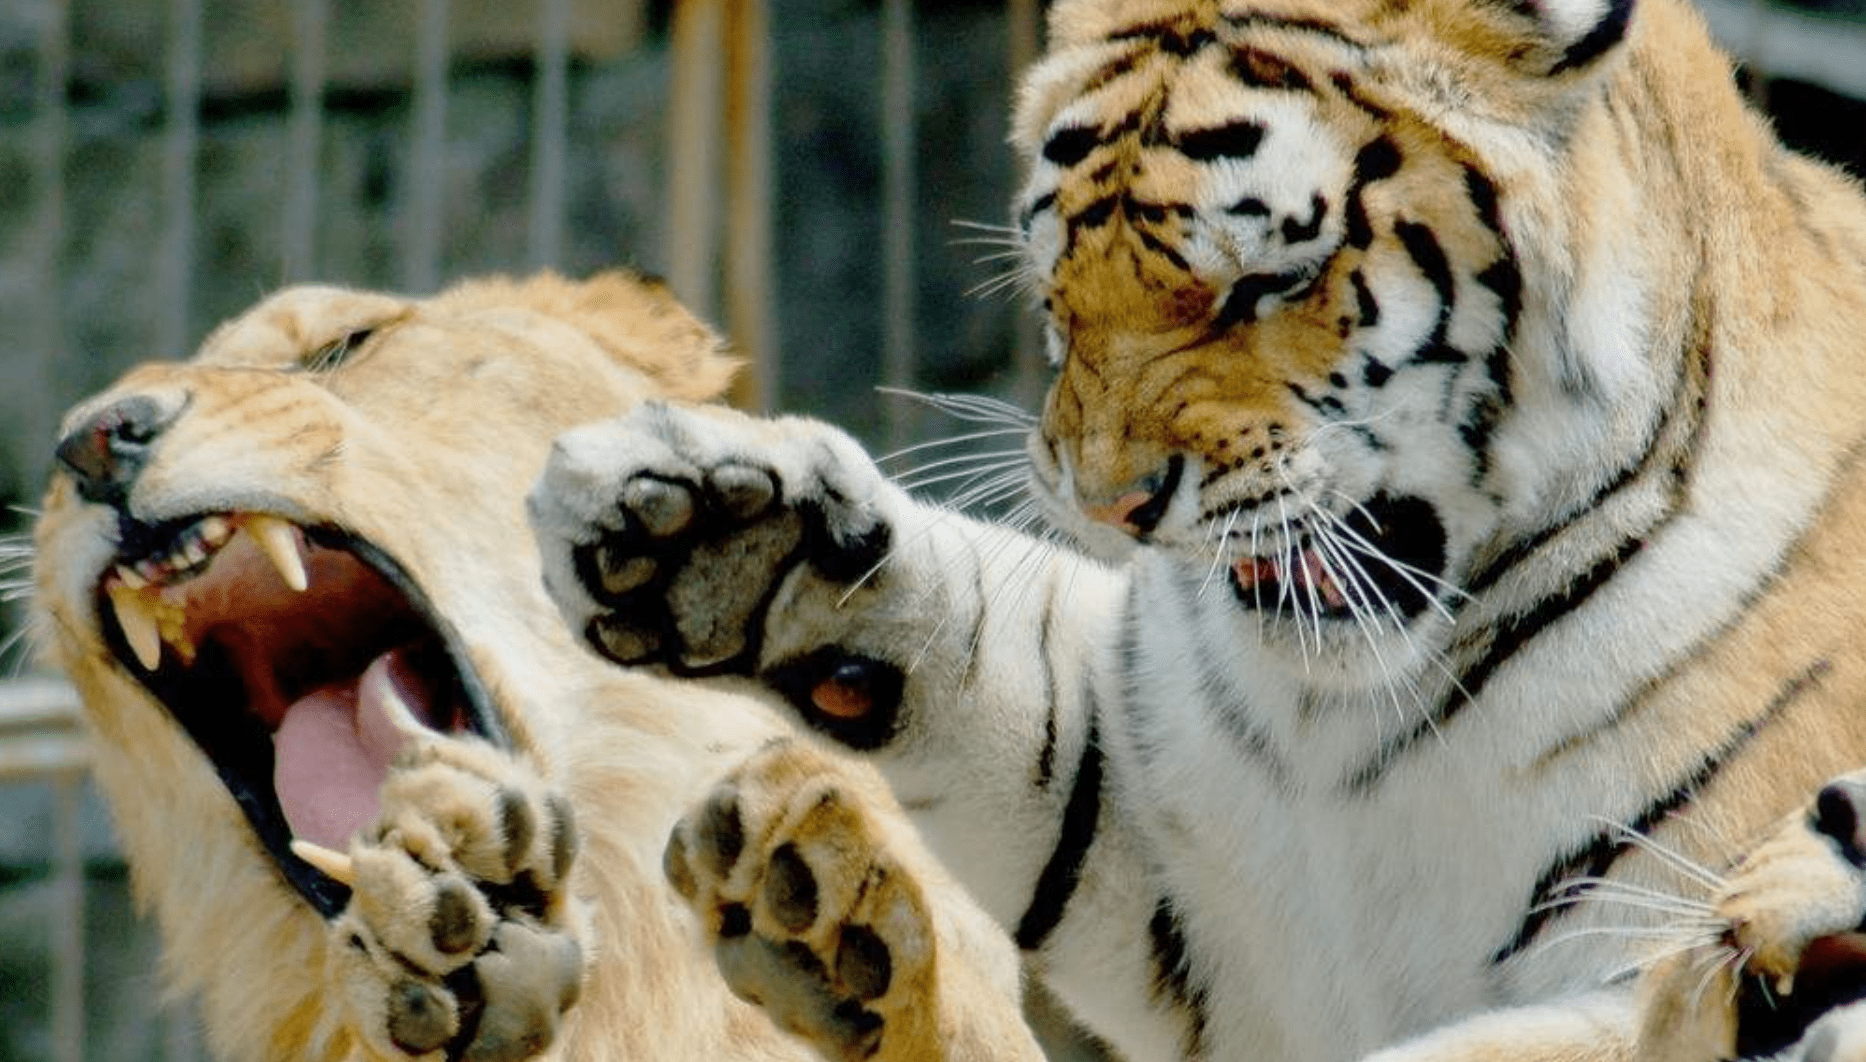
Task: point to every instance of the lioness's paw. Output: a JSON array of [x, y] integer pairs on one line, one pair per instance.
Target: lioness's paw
[[1792, 953], [812, 917], [459, 938], [668, 534]]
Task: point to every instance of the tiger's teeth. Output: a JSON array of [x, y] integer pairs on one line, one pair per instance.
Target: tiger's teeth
[[140, 628], [131, 577], [279, 543], [335, 865]]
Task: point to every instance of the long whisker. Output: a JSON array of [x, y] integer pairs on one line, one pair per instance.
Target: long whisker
[[956, 440], [968, 407], [1676, 860]]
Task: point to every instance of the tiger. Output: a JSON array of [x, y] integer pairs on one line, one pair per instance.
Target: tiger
[[1451, 554], [379, 802]]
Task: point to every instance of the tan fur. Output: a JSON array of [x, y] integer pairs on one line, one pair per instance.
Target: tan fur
[[424, 443]]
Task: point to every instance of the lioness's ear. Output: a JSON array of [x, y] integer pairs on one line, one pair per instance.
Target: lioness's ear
[[640, 323], [638, 320]]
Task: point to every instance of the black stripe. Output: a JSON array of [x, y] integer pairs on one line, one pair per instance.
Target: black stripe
[[1037, 206], [976, 636], [1684, 412], [1240, 305], [1167, 37], [1303, 231], [1364, 301], [1160, 247], [1484, 197], [1429, 255], [1260, 69], [1609, 31], [1506, 280], [1509, 637], [1067, 147], [1094, 215], [1172, 977], [1046, 756], [1081, 819], [1233, 140], [1306, 25], [1376, 161], [1553, 892]]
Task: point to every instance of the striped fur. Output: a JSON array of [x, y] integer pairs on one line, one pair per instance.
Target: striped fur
[[1465, 398]]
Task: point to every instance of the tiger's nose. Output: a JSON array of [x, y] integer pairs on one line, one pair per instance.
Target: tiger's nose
[[107, 450], [1139, 511], [1837, 814]]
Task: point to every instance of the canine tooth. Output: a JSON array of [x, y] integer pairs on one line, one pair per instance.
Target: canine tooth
[[130, 577], [279, 543], [335, 865], [139, 624]]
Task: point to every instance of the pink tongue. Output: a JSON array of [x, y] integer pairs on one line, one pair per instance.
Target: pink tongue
[[333, 749]]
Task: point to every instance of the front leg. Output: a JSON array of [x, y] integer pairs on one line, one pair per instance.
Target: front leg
[[710, 544], [823, 908], [461, 939], [960, 658]]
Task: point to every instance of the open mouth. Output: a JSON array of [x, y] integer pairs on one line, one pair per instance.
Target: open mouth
[[300, 659], [1388, 553], [1771, 1017]]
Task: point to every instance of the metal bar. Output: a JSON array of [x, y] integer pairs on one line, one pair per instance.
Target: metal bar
[[310, 34], [46, 232], [898, 179], [180, 145], [750, 316], [427, 163], [1030, 367], [550, 130], [68, 926], [691, 240]]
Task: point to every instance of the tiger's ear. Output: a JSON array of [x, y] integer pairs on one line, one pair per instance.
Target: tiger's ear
[[1533, 38]]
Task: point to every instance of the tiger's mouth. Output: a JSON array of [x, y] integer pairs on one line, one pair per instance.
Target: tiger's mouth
[[299, 659], [1386, 556]]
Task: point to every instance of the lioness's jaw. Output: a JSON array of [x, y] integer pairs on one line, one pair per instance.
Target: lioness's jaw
[[300, 660]]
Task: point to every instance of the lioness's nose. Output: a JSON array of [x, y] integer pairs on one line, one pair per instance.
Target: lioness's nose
[[107, 450]]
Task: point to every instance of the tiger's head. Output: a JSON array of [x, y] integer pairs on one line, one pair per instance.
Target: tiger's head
[[1304, 293]]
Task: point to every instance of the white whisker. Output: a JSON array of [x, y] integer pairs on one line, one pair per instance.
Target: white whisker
[[956, 440]]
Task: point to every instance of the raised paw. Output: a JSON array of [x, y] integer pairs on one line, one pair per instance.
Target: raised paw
[[1791, 951], [707, 542], [810, 914], [459, 939]]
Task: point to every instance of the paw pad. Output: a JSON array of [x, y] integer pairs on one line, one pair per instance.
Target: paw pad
[[456, 937]]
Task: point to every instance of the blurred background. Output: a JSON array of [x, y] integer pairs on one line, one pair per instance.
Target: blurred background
[[804, 172]]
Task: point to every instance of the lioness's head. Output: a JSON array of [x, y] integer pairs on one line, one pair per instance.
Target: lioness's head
[[262, 565]]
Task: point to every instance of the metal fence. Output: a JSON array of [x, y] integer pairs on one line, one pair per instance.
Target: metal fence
[[717, 237]]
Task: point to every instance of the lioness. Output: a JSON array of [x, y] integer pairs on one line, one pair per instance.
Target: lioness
[[292, 581]]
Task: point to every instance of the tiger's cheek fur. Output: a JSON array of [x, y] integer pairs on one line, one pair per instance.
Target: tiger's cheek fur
[[1275, 280]]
